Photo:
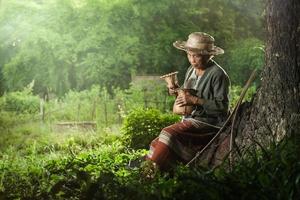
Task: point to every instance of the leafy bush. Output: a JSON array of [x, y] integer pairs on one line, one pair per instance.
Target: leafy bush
[[74, 105], [7, 120], [68, 176], [146, 93], [235, 93], [17, 108], [21, 102], [101, 173], [141, 126], [244, 57], [105, 108]]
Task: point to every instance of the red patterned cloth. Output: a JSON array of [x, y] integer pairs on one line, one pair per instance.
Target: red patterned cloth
[[180, 142]]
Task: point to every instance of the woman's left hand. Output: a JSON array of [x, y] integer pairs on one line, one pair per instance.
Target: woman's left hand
[[186, 99]]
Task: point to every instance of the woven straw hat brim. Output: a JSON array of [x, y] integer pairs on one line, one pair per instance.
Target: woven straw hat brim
[[182, 46]]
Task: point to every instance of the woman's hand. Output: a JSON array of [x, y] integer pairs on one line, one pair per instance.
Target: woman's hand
[[173, 91], [186, 99]]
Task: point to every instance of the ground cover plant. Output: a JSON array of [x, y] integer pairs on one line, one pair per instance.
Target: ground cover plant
[[41, 162]]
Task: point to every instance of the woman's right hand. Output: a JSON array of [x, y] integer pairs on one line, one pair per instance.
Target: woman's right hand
[[173, 91]]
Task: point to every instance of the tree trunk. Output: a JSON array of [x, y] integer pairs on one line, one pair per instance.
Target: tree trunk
[[275, 109]]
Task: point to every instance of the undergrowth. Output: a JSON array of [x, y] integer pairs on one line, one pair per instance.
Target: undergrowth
[[38, 162], [71, 170]]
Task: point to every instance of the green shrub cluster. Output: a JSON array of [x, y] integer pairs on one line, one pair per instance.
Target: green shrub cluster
[[17, 107], [235, 93], [244, 56], [141, 126], [20, 102], [107, 109], [8, 120], [76, 106], [36, 163], [145, 93], [102, 173], [68, 176], [95, 104]]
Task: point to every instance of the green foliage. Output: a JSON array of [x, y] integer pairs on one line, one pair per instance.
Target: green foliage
[[101, 173], [76, 106], [17, 108], [144, 93], [8, 120], [39, 163], [268, 172], [68, 176], [21, 101], [243, 58], [67, 44], [142, 126], [97, 104], [235, 93]]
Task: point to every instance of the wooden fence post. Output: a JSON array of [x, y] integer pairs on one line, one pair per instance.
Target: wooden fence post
[[78, 112], [94, 108], [42, 109], [105, 113], [120, 111]]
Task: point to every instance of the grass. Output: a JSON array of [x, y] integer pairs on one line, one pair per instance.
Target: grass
[[39, 162], [44, 136]]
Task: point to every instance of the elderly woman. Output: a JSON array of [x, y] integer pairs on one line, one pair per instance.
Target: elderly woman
[[210, 83]]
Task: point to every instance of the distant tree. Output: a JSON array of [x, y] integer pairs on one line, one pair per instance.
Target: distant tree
[[67, 44]]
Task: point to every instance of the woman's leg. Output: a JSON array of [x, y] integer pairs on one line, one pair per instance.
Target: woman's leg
[[178, 142]]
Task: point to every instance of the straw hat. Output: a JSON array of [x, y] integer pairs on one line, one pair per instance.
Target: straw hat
[[200, 42]]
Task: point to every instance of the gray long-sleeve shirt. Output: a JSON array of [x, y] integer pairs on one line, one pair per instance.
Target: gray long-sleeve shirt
[[213, 87]]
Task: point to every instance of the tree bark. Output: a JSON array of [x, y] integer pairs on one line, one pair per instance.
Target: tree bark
[[275, 109]]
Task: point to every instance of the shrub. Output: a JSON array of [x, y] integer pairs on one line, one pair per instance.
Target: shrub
[[243, 58], [20, 101], [146, 93], [7, 120], [141, 126], [74, 106], [67, 176], [236, 91]]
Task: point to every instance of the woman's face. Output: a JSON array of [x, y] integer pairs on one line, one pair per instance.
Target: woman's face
[[197, 60]]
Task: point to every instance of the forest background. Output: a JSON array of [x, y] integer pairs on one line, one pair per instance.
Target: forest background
[[64, 63], [72, 45], [107, 52]]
